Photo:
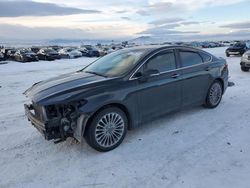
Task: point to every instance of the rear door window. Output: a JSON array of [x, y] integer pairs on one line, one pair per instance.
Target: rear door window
[[190, 58], [163, 62]]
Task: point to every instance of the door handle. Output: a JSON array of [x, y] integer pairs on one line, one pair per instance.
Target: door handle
[[175, 75], [208, 68]]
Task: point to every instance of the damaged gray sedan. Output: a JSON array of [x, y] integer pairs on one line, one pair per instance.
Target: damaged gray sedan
[[122, 91]]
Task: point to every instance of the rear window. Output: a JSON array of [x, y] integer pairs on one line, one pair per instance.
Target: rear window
[[189, 58], [205, 57]]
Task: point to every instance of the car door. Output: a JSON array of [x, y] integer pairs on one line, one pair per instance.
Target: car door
[[160, 93], [195, 75]]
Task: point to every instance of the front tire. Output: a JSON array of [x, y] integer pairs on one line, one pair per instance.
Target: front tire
[[214, 95], [107, 129]]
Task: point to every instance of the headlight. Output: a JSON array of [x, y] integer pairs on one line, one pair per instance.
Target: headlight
[[53, 111]]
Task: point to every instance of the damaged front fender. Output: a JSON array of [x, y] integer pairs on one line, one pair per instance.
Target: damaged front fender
[[80, 127]]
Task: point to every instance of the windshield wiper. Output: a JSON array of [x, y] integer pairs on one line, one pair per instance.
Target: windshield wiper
[[96, 73]]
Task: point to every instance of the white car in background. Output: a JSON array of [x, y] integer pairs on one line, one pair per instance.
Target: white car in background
[[70, 53], [245, 61]]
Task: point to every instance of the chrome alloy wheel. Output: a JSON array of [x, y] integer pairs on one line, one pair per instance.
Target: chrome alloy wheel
[[215, 94], [109, 130]]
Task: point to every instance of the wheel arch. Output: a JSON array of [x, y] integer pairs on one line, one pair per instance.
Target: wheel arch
[[115, 104], [221, 82]]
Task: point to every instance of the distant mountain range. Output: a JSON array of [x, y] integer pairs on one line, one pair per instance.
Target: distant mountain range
[[74, 42], [141, 40], [63, 42], [148, 40], [80, 41]]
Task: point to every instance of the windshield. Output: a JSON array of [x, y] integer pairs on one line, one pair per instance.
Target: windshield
[[115, 64], [239, 44]]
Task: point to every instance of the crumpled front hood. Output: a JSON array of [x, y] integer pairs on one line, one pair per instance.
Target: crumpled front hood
[[63, 87]]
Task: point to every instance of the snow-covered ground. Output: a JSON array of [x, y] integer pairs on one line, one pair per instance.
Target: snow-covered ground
[[196, 148]]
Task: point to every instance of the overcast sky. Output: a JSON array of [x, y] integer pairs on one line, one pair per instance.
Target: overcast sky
[[124, 19]]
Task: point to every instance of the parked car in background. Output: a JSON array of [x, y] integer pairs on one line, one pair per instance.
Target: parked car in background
[[2, 56], [48, 54], [245, 61], [92, 51], [102, 52], [34, 49], [124, 89], [11, 54], [25, 55], [56, 48], [238, 48], [83, 50], [5, 51], [70, 53], [108, 50]]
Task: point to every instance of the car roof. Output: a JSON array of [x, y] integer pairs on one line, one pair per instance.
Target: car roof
[[150, 48], [154, 47]]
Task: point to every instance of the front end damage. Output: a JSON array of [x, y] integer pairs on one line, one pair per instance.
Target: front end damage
[[58, 122], [58, 105]]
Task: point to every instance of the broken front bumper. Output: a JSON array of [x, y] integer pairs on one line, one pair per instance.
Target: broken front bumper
[[32, 118], [47, 128]]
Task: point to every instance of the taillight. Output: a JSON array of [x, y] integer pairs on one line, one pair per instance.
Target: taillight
[[225, 69]]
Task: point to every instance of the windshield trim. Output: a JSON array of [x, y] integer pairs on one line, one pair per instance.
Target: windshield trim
[[96, 73]]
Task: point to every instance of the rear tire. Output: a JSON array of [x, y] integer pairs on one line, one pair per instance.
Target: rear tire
[[245, 69], [214, 95], [107, 129]]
